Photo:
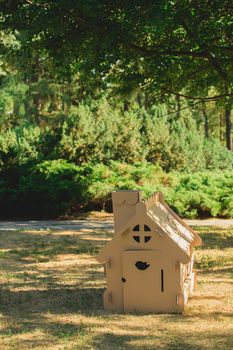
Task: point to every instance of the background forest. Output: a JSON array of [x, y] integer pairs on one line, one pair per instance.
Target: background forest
[[70, 132]]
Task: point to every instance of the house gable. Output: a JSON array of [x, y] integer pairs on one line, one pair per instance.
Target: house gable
[[143, 233]]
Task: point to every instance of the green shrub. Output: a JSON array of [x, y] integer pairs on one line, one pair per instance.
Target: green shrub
[[53, 188], [203, 194], [41, 191]]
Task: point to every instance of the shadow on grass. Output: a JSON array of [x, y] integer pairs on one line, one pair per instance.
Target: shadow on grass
[[107, 335], [45, 246], [224, 271], [31, 291], [25, 312], [216, 238], [143, 342], [104, 341], [56, 301]]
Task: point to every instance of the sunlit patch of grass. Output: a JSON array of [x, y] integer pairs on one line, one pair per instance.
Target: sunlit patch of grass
[[214, 259], [3, 254], [217, 249]]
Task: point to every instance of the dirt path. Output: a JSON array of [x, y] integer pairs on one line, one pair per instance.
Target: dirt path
[[73, 225], [64, 225]]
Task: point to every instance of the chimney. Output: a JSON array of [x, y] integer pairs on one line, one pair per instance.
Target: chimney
[[124, 207]]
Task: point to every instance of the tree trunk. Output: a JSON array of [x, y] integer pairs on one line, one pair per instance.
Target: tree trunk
[[139, 99], [228, 126], [220, 127], [206, 121]]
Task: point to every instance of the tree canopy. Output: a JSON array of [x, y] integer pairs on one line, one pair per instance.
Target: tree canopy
[[164, 46], [99, 95]]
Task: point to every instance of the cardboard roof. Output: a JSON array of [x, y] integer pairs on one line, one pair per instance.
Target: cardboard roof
[[164, 222], [171, 222]]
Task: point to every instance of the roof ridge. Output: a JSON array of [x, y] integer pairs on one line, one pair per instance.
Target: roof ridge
[[152, 200]]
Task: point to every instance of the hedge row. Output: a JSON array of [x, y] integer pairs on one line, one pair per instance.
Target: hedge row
[[56, 188]]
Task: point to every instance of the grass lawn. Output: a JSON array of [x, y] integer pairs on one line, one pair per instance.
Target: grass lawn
[[51, 297]]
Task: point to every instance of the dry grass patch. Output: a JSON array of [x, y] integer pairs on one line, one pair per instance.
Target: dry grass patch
[[51, 297]]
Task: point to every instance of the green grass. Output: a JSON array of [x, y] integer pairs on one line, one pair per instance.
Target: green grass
[[3, 254], [49, 249], [217, 251], [51, 297]]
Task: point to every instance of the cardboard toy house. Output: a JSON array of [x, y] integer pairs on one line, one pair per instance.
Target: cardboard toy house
[[149, 261]]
